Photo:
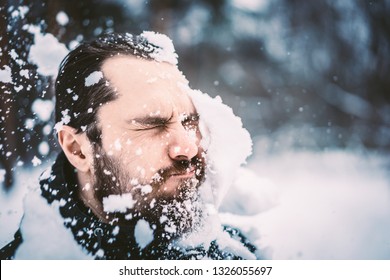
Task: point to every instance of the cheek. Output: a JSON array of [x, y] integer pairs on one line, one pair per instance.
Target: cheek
[[145, 157]]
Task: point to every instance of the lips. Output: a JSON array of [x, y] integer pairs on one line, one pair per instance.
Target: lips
[[190, 172]]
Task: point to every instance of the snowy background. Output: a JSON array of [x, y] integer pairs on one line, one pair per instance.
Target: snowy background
[[309, 81]]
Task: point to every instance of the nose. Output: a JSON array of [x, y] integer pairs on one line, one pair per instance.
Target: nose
[[183, 144]]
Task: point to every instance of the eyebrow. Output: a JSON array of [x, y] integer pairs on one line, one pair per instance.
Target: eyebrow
[[151, 120]]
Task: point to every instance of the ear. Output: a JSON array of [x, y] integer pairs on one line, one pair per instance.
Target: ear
[[77, 148]]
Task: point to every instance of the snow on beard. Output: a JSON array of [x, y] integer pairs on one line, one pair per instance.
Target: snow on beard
[[126, 200]]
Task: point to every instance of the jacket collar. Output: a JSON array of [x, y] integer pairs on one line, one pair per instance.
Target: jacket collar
[[98, 238]]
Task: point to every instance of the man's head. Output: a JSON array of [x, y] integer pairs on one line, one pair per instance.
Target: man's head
[[127, 124]]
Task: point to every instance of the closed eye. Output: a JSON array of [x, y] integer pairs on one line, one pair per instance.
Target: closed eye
[[149, 123]]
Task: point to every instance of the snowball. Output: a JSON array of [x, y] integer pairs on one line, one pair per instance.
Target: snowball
[[46, 52], [43, 109], [143, 233], [223, 137], [62, 18], [166, 51], [93, 78], [5, 74], [118, 203]]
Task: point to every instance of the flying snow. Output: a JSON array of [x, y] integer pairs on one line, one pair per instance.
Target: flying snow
[[166, 51], [20, 12], [62, 18], [118, 203], [43, 109], [36, 161], [143, 233], [5, 74], [46, 52], [93, 78]]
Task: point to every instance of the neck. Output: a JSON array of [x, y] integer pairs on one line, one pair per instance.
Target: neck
[[86, 195]]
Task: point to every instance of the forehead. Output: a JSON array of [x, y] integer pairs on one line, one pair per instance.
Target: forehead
[[146, 86]]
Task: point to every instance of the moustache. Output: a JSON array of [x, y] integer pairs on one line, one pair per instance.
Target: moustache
[[182, 167]]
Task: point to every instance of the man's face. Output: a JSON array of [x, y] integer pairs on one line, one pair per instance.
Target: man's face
[[150, 136]]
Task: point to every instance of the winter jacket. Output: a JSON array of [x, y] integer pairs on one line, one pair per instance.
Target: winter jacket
[[54, 218]]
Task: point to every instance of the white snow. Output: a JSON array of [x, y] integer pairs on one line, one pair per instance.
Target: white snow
[[5, 74], [166, 51], [145, 189], [36, 161], [143, 233], [296, 204], [44, 148], [29, 123], [15, 57], [24, 73], [73, 44], [20, 12], [44, 234], [65, 119], [291, 204], [256, 194], [93, 78], [62, 18], [46, 52], [18, 88], [118, 203], [251, 5], [331, 205], [2, 175], [222, 131], [43, 109]]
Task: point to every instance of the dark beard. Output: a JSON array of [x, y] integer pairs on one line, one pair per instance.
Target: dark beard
[[172, 216]]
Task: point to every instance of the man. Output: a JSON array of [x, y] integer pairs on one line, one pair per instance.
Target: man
[[130, 181]]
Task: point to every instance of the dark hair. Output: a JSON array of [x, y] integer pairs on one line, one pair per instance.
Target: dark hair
[[77, 104]]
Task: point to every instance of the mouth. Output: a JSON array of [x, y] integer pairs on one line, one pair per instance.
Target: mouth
[[188, 173]]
